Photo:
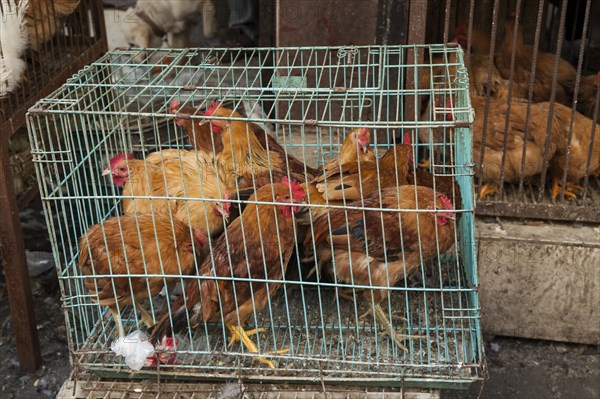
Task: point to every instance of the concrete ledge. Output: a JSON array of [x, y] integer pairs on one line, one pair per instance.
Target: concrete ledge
[[124, 389], [540, 281]]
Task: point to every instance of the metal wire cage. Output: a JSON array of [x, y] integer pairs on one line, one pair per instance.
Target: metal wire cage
[[62, 37], [531, 56], [309, 99]]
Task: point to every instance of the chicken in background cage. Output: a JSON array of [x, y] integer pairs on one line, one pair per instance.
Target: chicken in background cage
[[280, 190], [536, 127]]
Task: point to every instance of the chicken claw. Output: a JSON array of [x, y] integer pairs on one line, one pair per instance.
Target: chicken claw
[[557, 189], [145, 317], [239, 334], [488, 189], [236, 337], [397, 337]]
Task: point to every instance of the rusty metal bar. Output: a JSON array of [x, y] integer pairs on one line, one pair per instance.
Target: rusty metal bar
[[573, 110], [489, 80], [447, 20], [538, 31], [417, 15], [513, 57], [561, 34], [12, 254]]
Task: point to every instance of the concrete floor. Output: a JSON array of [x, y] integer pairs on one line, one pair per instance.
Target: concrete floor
[[523, 369]]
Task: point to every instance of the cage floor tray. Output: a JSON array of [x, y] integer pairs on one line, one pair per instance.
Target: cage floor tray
[[335, 344]]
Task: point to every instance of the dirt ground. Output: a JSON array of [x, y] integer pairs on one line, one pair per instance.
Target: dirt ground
[[517, 368]]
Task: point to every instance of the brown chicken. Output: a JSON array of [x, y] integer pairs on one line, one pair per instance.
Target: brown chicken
[[198, 131], [188, 179], [130, 244], [355, 148], [543, 70], [253, 153], [138, 179], [588, 93], [480, 40], [579, 147], [446, 185], [239, 146], [409, 239], [263, 255], [349, 181], [183, 175], [478, 65], [45, 17], [489, 171]]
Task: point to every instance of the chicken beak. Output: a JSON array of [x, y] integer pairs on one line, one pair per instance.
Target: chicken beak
[[363, 148], [106, 172], [221, 210]]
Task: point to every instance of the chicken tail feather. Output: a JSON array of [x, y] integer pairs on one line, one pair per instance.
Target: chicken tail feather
[[170, 323]]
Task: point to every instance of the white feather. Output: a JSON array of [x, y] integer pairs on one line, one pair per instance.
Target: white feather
[[14, 39]]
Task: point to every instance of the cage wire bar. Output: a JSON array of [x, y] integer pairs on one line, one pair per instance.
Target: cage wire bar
[[556, 63], [309, 99]]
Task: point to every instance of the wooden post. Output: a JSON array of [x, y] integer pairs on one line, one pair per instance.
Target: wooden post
[[12, 253]]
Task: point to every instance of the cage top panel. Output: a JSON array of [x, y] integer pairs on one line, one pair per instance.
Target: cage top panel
[[316, 80]]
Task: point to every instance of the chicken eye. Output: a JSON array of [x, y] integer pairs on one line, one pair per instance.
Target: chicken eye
[[123, 169]]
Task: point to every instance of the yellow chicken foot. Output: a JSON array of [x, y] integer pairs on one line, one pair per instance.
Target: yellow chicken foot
[[557, 189], [117, 318], [239, 334], [425, 164], [236, 337], [398, 338], [145, 317], [488, 189]]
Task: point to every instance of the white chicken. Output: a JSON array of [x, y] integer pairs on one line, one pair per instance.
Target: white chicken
[[13, 42]]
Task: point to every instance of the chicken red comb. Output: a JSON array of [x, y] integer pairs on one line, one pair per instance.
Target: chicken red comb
[[211, 110], [446, 203], [174, 106], [298, 193], [406, 138], [363, 136], [121, 157]]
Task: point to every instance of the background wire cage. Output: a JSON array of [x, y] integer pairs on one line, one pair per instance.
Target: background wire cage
[[308, 99], [63, 36], [558, 27]]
